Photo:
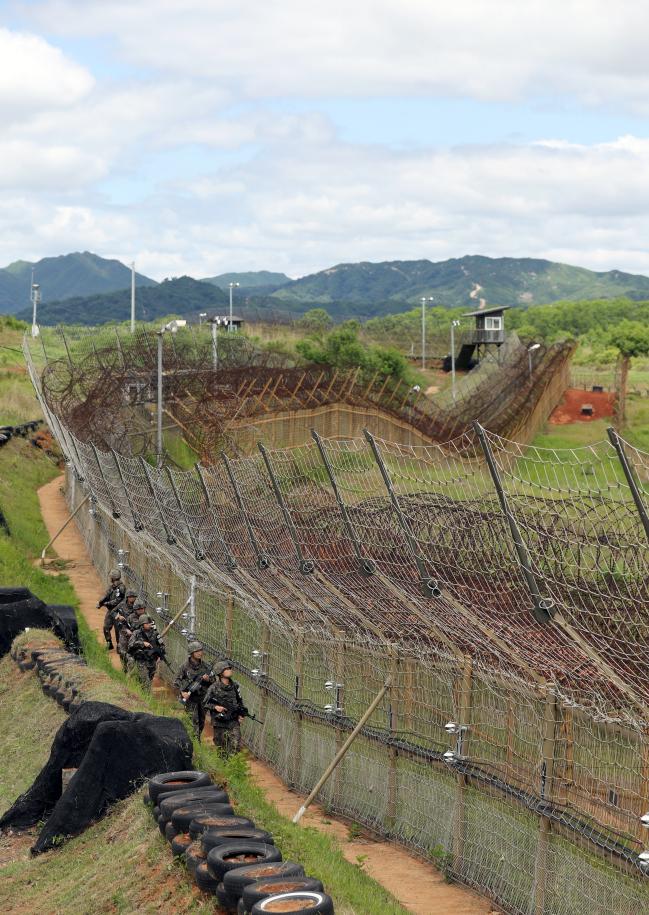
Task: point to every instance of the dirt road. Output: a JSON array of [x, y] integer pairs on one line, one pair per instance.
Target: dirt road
[[423, 892]]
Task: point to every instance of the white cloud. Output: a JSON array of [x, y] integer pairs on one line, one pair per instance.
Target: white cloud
[[503, 49], [36, 76]]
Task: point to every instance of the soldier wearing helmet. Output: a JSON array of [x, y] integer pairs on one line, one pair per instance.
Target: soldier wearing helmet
[[223, 701], [193, 680], [111, 599], [127, 630], [145, 647], [120, 616]]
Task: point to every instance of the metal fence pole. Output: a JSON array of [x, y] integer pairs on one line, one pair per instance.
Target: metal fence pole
[[429, 586], [170, 537], [115, 512], [263, 560], [306, 566], [229, 558], [616, 441], [365, 565], [198, 551], [137, 524], [543, 609]]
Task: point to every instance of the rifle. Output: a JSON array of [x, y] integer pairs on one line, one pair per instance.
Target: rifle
[[195, 685], [245, 714], [160, 653]]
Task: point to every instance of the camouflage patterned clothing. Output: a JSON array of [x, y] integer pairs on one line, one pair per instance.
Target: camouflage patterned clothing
[[194, 705], [125, 633], [111, 599], [227, 733], [145, 661]]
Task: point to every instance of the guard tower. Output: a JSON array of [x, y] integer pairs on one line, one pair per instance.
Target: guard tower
[[489, 329]]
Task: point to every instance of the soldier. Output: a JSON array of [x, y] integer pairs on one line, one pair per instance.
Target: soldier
[[223, 701], [113, 596], [127, 630], [193, 679], [145, 647], [120, 616]]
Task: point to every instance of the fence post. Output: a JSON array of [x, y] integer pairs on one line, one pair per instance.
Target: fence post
[[306, 566], [393, 755], [429, 587], [338, 694], [263, 700], [114, 511], [298, 718], [464, 715], [229, 622], [263, 561], [170, 537], [365, 566], [229, 558], [616, 441], [137, 524], [544, 608], [547, 794], [198, 551]]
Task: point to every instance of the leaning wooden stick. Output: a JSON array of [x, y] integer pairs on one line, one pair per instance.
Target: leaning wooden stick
[[347, 744]]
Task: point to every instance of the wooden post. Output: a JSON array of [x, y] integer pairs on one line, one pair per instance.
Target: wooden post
[[547, 792], [298, 718], [393, 723], [464, 714]]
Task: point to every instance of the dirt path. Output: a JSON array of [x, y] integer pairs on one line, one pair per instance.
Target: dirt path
[[424, 892], [70, 546], [569, 408]]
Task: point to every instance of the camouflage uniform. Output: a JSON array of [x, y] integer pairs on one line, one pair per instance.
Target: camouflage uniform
[[227, 733], [125, 633], [145, 661], [188, 673], [111, 599], [120, 615]]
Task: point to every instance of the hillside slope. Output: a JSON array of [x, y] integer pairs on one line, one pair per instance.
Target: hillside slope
[[77, 274], [458, 282]]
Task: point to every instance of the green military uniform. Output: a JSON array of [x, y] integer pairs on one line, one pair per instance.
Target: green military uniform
[[142, 647], [191, 675], [111, 599], [225, 694], [126, 631], [120, 615]]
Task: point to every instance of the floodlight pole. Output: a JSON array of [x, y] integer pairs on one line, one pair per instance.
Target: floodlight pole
[[454, 324], [424, 299], [133, 297], [159, 417], [230, 325], [36, 297]]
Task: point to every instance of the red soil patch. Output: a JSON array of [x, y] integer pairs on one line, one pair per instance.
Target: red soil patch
[[569, 409]]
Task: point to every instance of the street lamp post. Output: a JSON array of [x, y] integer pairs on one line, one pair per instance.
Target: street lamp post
[[171, 326], [423, 300], [36, 299], [133, 297], [530, 350], [230, 326], [202, 314], [454, 324], [215, 343]]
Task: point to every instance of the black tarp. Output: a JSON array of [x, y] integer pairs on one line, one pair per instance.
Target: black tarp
[[19, 609], [113, 751]]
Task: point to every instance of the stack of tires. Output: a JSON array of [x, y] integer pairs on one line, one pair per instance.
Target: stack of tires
[[226, 854]]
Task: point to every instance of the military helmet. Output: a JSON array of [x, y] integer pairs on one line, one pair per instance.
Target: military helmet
[[115, 574], [144, 618], [221, 666], [194, 646], [131, 593], [139, 604]]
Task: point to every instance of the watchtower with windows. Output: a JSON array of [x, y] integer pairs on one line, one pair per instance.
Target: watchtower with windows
[[489, 328]]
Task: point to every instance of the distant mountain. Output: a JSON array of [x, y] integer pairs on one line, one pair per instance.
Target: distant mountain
[[256, 280], [63, 277], [183, 296], [381, 287]]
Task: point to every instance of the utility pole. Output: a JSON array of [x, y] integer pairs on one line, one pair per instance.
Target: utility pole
[[36, 298], [230, 326], [424, 299], [133, 297]]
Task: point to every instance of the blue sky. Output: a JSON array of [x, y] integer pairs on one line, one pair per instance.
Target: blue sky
[[204, 136]]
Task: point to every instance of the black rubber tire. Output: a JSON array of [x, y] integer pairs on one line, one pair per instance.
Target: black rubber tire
[[180, 844], [162, 823], [227, 903], [214, 837], [155, 813], [253, 873], [207, 821], [194, 856], [170, 832], [314, 903], [231, 855], [204, 880], [182, 816], [260, 889], [207, 796], [241, 910], [177, 781], [194, 792]]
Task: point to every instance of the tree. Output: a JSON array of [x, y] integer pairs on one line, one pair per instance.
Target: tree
[[316, 320], [631, 339]]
